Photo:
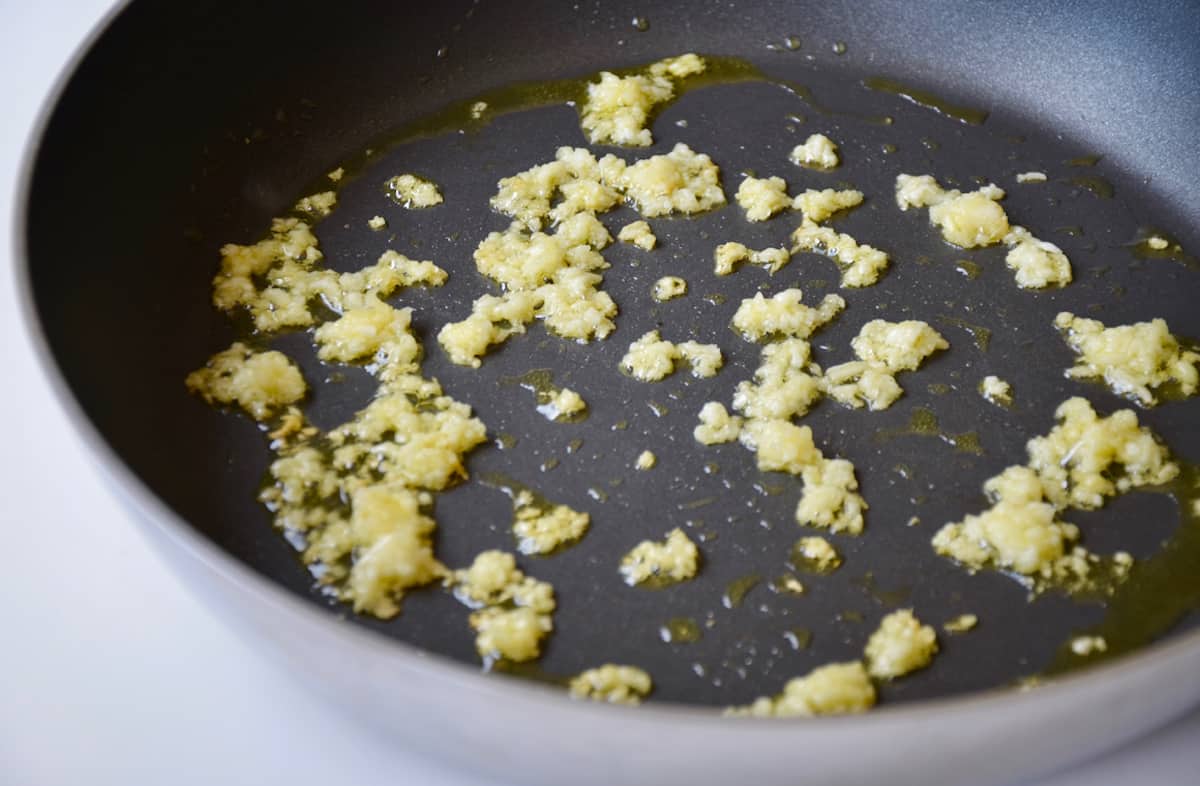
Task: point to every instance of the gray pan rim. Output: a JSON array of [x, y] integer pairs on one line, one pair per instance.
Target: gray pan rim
[[153, 513]]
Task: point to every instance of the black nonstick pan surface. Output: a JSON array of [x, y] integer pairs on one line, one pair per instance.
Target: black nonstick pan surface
[[190, 125]]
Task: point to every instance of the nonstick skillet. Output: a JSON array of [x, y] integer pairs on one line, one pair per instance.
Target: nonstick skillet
[[183, 128]]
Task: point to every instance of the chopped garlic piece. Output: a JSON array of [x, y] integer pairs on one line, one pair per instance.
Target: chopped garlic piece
[[835, 689], [493, 319], [729, 255], [261, 383], [639, 234], [762, 198], [716, 425], [377, 223], [669, 287], [681, 181], [514, 609], [897, 346], [1157, 243], [564, 403], [646, 460], [1074, 466], [857, 383], [966, 220], [395, 547], [817, 152], [782, 386], [783, 314], [780, 446], [1133, 360], [618, 108], [900, 645], [817, 554], [336, 174], [318, 205], [670, 561], [961, 624], [1031, 177], [820, 205], [412, 191], [884, 349], [1037, 263], [861, 265], [574, 182], [831, 499], [651, 358], [995, 390], [611, 683], [541, 528]]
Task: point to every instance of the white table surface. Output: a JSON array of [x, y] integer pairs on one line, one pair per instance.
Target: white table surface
[[110, 672]]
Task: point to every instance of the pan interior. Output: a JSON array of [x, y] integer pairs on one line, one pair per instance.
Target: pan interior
[[179, 149]]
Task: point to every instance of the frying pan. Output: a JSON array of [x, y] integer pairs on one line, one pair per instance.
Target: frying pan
[[185, 126]]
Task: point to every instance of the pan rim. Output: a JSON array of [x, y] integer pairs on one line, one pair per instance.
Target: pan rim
[[154, 517]]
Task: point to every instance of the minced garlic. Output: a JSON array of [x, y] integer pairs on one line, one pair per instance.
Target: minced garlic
[[780, 446], [261, 383], [563, 404], [831, 499], [762, 198], [1157, 243], [816, 206], [554, 277], [861, 265], [884, 349], [1074, 466], [966, 220], [651, 358], [376, 223], [354, 499], [669, 561], [729, 255], [834, 689], [618, 108], [996, 390], [394, 544], [668, 288], [783, 315], [817, 152], [716, 425], [1037, 263], [574, 182], [1031, 177], [816, 554], [611, 683], [412, 191], [961, 624], [541, 528], [514, 610], [785, 384], [545, 276], [317, 205], [1133, 360], [899, 646], [336, 174], [681, 181], [975, 219], [639, 234], [645, 460], [287, 265]]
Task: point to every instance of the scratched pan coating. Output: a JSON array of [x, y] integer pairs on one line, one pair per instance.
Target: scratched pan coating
[[160, 151]]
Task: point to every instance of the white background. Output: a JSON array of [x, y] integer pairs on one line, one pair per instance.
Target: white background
[[110, 673]]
